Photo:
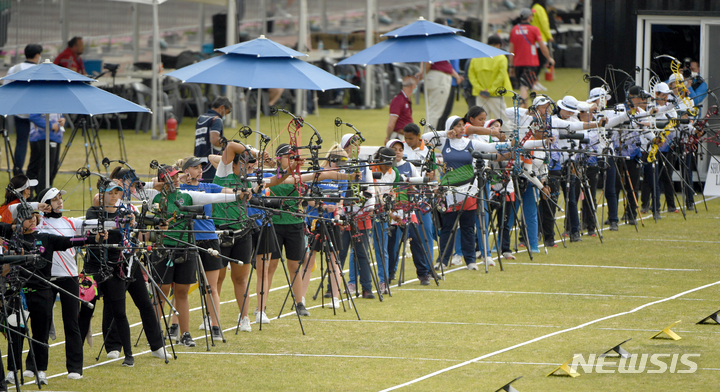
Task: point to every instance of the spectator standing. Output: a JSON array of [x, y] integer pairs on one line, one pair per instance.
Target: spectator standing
[[208, 132], [486, 75], [524, 62], [70, 57], [22, 123]]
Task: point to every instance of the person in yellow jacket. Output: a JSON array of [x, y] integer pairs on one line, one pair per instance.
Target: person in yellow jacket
[[486, 75], [542, 22]]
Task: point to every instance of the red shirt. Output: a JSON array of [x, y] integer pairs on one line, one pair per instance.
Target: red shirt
[[401, 106], [69, 60], [523, 37], [442, 66]]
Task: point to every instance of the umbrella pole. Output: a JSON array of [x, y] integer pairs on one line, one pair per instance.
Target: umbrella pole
[[47, 151], [155, 54], [257, 117], [425, 93]]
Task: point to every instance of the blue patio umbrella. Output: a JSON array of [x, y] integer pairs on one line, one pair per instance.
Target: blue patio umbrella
[[421, 27], [254, 72], [416, 49], [48, 72], [423, 41], [261, 47], [260, 64], [57, 90]]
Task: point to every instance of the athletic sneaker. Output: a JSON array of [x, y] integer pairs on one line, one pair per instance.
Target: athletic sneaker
[[129, 361], [489, 261], [351, 289], [114, 354], [245, 324], [424, 280], [575, 237], [613, 226], [205, 325], [336, 304], [456, 260], [301, 309], [328, 294], [656, 216], [186, 340], [368, 295], [174, 332], [472, 267], [28, 373], [215, 331], [74, 376], [508, 256], [551, 244], [160, 353], [10, 379], [42, 378], [263, 316]]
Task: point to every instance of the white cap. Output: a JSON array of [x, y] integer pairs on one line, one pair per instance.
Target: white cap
[[346, 139], [540, 100], [390, 143], [583, 107], [662, 88], [50, 194], [597, 93], [569, 103], [29, 183]]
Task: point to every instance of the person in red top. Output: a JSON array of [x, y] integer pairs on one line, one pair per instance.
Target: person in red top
[[70, 57], [523, 40], [401, 110], [23, 185]]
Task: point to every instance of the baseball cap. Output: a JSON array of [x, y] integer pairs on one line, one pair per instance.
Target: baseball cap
[[637, 91], [191, 162], [107, 187], [48, 194], [526, 13], [29, 183], [490, 122], [583, 107], [673, 78], [170, 170], [662, 88], [540, 100], [569, 103], [597, 93], [347, 139], [390, 143], [23, 212]]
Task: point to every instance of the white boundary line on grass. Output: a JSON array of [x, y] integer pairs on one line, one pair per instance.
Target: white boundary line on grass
[[541, 293], [606, 266], [543, 337], [316, 356], [495, 325]]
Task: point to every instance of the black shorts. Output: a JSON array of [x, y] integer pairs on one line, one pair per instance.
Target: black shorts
[[266, 244], [210, 262], [241, 249], [318, 239], [292, 238], [526, 76], [174, 265]]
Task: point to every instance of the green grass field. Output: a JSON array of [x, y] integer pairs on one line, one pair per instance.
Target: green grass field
[[474, 331]]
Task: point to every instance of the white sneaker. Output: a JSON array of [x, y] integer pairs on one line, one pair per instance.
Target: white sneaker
[[161, 353], [489, 261], [205, 325], [508, 256], [42, 378], [337, 304], [457, 260], [263, 316], [113, 354], [74, 376], [245, 324], [28, 374], [539, 87], [10, 379], [472, 267]]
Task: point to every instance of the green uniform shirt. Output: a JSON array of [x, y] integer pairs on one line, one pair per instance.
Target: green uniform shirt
[[168, 212]]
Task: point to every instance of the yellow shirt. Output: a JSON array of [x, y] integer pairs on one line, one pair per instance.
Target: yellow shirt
[[489, 73], [541, 21]]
